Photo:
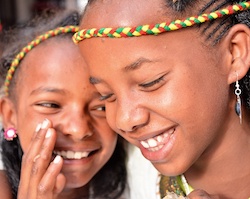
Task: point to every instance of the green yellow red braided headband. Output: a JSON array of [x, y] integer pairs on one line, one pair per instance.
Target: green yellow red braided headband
[[30, 46], [160, 27]]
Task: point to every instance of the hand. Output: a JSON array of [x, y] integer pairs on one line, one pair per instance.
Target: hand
[[41, 178], [201, 194]]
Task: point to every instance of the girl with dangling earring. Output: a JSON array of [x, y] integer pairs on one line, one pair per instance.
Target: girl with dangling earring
[[174, 75]]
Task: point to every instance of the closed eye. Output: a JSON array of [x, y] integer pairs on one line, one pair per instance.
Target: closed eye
[[105, 97], [155, 84]]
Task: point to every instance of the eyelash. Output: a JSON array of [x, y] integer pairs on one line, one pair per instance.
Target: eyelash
[[150, 84], [102, 98], [49, 105], [147, 85]]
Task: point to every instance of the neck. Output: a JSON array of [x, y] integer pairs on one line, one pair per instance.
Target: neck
[[224, 169]]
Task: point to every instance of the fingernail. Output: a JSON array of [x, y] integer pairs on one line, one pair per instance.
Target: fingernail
[[57, 159], [48, 133], [38, 127], [45, 124]]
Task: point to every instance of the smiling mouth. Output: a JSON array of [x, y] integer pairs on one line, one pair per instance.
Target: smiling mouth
[[157, 142], [72, 155]]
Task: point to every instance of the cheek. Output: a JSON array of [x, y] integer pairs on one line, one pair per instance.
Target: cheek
[[26, 129], [25, 137], [111, 115], [107, 136], [109, 140]]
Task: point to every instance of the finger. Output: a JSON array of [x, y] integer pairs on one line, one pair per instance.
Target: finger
[[30, 155], [60, 184], [53, 181], [201, 194], [42, 163]]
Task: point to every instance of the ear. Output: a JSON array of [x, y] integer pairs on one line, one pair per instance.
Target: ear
[[8, 113], [238, 45]]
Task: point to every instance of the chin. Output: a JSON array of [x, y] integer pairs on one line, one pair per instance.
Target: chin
[[75, 184], [74, 181], [169, 170]]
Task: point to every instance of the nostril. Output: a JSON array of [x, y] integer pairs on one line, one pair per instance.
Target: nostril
[[127, 130], [134, 128]]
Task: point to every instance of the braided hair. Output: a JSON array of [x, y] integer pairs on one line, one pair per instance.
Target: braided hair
[[110, 181]]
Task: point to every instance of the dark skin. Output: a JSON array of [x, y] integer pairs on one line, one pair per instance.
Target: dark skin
[[188, 82]]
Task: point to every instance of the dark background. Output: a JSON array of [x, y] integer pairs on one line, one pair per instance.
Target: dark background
[[14, 12]]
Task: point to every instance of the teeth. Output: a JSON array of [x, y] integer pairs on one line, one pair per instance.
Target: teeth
[[156, 148], [72, 155], [155, 144], [152, 142], [144, 144], [159, 138]]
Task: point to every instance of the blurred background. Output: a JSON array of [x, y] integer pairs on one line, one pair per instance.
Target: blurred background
[[17, 12]]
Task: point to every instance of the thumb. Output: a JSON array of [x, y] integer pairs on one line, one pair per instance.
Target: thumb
[[201, 194]]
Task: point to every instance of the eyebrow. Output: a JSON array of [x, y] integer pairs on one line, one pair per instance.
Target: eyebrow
[[133, 66], [47, 90], [94, 80], [137, 64]]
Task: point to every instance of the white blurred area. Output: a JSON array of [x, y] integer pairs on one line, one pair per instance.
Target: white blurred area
[[81, 4], [24, 7]]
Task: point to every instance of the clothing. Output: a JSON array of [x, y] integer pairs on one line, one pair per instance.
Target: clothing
[[143, 178]]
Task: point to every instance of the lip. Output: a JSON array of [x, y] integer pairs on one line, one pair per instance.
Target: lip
[[144, 136], [158, 147]]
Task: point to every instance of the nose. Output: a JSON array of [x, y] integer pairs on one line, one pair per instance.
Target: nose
[[77, 126], [130, 116]]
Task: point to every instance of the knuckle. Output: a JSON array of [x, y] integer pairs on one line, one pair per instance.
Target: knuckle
[[34, 170], [45, 157], [41, 189], [37, 138], [26, 159]]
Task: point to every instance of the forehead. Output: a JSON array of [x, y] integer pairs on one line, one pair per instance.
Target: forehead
[[50, 51], [113, 13], [52, 57]]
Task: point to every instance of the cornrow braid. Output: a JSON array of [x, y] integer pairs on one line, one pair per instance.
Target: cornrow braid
[[16, 61], [160, 27]]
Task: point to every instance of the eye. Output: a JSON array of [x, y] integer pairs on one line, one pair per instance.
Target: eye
[[101, 108], [153, 85], [48, 105], [98, 111]]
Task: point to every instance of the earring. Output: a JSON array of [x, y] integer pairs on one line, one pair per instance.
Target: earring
[[10, 134], [238, 100]]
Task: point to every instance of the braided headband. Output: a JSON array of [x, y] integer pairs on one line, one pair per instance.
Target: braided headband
[[160, 27], [30, 46]]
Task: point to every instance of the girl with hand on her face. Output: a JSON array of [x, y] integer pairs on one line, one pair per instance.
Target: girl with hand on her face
[[57, 143]]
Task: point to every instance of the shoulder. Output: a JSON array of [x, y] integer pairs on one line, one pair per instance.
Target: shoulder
[[5, 189]]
